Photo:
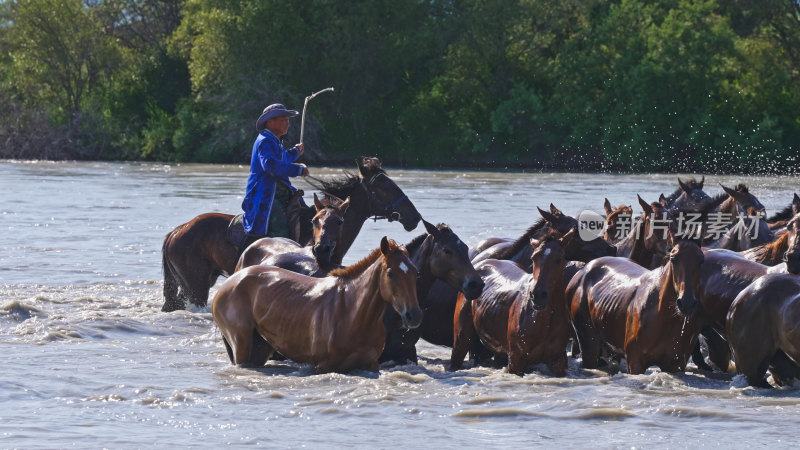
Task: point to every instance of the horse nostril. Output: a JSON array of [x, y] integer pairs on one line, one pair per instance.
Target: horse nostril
[[395, 216]]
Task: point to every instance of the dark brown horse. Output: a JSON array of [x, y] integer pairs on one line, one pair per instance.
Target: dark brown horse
[[723, 275], [554, 220], [315, 260], [645, 244], [334, 323], [519, 316], [520, 251], [646, 316], [196, 253], [762, 327], [439, 255], [741, 221], [437, 325]]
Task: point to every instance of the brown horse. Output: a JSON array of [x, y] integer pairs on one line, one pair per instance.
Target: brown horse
[[617, 305], [736, 215], [762, 327], [723, 275], [520, 251], [334, 323], [614, 220], [196, 253], [439, 255], [315, 260], [437, 325], [521, 316], [644, 244], [554, 220]]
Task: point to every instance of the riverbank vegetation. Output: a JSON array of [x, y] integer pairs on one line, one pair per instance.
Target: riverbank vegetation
[[635, 85]]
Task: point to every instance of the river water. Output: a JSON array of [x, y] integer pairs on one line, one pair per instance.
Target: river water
[[88, 359]]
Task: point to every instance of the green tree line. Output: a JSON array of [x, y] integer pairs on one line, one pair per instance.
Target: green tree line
[[635, 85]]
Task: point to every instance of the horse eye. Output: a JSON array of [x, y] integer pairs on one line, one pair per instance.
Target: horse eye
[[447, 251], [390, 274]]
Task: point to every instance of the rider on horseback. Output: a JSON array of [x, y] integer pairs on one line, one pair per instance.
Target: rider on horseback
[[267, 202]]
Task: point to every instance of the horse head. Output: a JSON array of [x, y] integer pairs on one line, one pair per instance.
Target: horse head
[[398, 283], [449, 261], [655, 227], [578, 249], [386, 199], [792, 256], [615, 218], [747, 202], [685, 259], [688, 195], [327, 227], [549, 258]]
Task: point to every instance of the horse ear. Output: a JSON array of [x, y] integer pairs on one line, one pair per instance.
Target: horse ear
[[344, 205], [431, 229], [645, 206], [547, 216], [362, 167], [684, 187], [535, 242], [700, 184], [385, 248], [607, 207], [734, 194], [663, 200], [318, 204], [796, 204], [555, 210]]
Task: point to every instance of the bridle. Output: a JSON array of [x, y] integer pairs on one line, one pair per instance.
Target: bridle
[[379, 209]]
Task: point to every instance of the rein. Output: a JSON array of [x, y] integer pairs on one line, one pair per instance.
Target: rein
[[387, 211]]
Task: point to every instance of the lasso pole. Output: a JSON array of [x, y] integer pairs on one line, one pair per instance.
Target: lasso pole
[[303, 119]]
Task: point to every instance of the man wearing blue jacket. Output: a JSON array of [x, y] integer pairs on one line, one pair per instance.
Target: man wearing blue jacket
[[269, 190]]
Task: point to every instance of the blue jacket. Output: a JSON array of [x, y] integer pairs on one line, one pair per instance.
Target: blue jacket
[[269, 164]]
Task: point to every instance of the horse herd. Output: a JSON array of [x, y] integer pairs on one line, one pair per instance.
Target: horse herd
[[644, 296]]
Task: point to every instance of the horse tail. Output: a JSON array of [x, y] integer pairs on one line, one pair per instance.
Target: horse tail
[[172, 300]]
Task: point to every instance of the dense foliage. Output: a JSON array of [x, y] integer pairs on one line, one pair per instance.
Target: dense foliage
[[704, 85]]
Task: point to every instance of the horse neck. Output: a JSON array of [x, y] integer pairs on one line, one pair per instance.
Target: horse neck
[[667, 292], [354, 219], [730, 206], [639, 252], [365, 306], [421, 258]]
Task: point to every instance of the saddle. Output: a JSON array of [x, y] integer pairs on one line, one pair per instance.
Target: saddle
[[236, 234], [238, 237]]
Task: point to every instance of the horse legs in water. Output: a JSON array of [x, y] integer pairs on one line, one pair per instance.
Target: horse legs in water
[[783, 369]]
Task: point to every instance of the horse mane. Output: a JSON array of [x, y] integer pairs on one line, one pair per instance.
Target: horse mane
[[785, 214], [772, 251], [355, 270], [415, 243], [742, 188], [523, 240], [337, 187]]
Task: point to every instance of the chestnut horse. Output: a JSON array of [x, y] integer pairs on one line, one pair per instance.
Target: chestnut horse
[[522, 316], [645, 316], [614, 219], [314, 260], [644, 244], [334, 323], [437, 325], [196, 253], [762, 327], [439, 255]]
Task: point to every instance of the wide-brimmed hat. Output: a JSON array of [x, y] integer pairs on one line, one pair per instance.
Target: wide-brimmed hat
[[271, 112]]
